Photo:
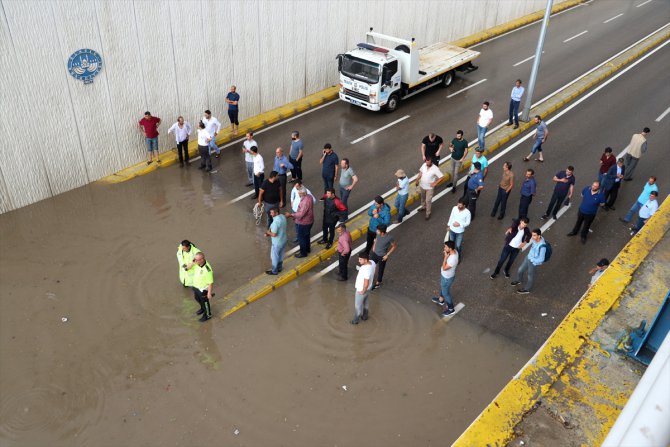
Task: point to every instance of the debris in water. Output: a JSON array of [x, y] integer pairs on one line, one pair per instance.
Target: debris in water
[[63, 319], [236, 432], [344, 387], [544, 314]]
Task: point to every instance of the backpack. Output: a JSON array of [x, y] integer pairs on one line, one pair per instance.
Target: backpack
[[547, 251]]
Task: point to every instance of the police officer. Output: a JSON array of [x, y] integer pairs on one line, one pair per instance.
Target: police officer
[[203, 281], [186, 252]]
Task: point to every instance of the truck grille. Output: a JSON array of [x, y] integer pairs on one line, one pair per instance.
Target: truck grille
[[356, 95]]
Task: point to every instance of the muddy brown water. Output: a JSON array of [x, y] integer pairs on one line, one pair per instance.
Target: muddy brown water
[[132, 366]]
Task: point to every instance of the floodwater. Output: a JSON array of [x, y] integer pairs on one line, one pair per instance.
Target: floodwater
[[99, 345]]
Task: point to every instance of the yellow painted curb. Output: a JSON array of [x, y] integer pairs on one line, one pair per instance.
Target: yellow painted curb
[[358, 225], [495, 425], [513, 24], [293, 108]]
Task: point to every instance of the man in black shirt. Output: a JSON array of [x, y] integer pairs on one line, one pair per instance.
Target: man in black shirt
[[271, 195], [431, 146]]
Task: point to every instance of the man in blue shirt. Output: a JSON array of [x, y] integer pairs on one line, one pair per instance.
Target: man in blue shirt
[[565, 185], [642, 199], [517, 93], [232, 99], [541, 134], [277, 232], [282, 166], [330, 163], [528, 188], [295, 156], [592, 197], [474, 186], [402, 186], [535, 258]]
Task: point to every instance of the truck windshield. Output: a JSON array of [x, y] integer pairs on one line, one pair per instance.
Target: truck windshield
[[360, 69]]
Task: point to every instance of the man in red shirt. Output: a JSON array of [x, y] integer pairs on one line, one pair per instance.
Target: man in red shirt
[[149, 124], [607, 160]]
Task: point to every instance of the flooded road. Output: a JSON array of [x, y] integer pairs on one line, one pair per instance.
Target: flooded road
[[99, 343]]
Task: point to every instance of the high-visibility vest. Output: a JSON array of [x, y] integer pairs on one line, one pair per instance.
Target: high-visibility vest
[[185, 258], [202, 276]]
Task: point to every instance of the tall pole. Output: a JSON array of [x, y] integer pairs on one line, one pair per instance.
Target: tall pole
[[536, 63]]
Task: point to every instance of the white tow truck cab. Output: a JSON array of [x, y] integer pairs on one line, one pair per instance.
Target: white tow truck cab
[[377, 77]]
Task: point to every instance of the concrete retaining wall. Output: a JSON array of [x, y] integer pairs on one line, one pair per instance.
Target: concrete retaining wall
[[177, 57]]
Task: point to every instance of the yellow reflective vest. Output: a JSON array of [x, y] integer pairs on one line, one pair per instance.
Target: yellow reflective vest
[[185, 258], [202, 276]]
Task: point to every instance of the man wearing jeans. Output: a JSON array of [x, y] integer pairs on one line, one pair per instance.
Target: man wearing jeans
[[303, 215], [459, 150], [363, 285], [382, 248], [295, 156], [233, 100], [642, 199], [329, 166], [150, 126], [516, 237], [282, 165], [535, 258], [348, 180], [447, 276], [484, 120], [517, 93], [647, 210], [402, 187], [565, 185], [277, 232], [213, 127], [528, 189], [541, 134], [459, 220]]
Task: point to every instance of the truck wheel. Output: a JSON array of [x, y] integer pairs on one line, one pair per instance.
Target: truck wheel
[[448, 78], [403, 48], [392, 103]]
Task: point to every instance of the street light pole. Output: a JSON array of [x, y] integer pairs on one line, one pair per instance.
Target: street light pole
[[536, 63]]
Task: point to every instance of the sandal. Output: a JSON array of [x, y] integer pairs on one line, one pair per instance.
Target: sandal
[[525, 158], [541, 161]]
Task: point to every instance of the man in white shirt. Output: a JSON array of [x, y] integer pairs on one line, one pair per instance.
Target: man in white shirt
[[459, 220], [259, 170], [181, 130], [516, 237], [213, 127], [484, 120], [364, 281], [597, 271], [515, 101], [647, 210], [296, 198], [429, 176], [248, 158], [447, 276]]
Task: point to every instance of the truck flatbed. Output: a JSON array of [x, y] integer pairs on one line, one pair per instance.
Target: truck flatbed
[[439, 57]]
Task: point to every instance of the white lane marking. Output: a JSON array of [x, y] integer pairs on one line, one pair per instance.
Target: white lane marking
[[575, 36], [613, 18], [380, 129], [519, 142], [662, 115], [525, 60], [245, 195], [466, 88], [642, 4], [527, 25]]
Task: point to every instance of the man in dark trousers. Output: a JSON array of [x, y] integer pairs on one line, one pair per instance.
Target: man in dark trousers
[[330, 164], [203, 282], [528, 189], [382, 248], [565, 185], [475, 184], [516, 237], [344, 245], [592, 197], [612, 182], [270, 195], [333, 211]]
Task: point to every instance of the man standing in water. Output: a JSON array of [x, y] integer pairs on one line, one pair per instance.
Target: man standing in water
[[363, 286], [203, 282], [186, 252]]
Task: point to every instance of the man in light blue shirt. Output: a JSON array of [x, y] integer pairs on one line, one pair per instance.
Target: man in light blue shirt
[[541, 134], [535, 258], [517, 93], [402, 186], [642, 199], [277, 233]]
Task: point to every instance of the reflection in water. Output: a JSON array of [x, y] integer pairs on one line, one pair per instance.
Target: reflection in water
[[131, 364]]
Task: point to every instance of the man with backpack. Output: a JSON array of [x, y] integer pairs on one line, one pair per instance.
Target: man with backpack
[[539, 253]]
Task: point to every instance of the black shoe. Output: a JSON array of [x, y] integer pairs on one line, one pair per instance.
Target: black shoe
[[376, 286], [612, 208], [515, 283], [218, 155], [321, 242], [554, 217], [181, 164], [523, 292], [449, 185], [254, 197], [300, 255], [493, 275], [208, 169], [447, 312], [583, 240], [200, 312], [201, 167], [453, 191], [627, 179], [572, 233], [516, 127], [501, 217], [509, 124], [544, 217], [249, 184], [354, 321], [365, 316], [437, 301], [340, 278], [270, 272], [204, 318], [493, 214], [621, 219], [506, 275], [328, 245]]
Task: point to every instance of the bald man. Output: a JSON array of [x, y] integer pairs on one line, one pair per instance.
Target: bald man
[[203, 282]]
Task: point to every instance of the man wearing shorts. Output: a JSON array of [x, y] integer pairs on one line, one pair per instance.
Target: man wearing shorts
[[150, 126]]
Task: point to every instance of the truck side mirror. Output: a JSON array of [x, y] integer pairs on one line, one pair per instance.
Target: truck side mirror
[[339, 62]]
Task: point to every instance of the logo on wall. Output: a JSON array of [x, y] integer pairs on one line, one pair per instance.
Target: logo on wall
[[84, 65]]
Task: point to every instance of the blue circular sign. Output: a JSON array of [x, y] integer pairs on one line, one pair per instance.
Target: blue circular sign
[[84, 65]]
